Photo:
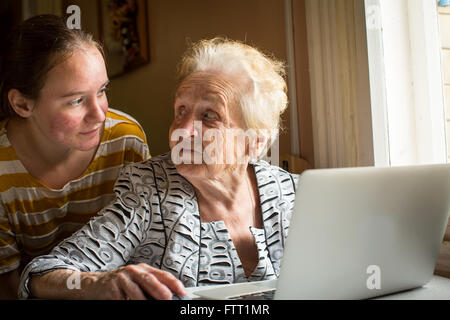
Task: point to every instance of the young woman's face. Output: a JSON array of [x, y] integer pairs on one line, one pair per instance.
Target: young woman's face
[[71, 108]]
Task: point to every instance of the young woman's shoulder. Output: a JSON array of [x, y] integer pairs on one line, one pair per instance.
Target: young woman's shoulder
[[123, 129], [119, 124]]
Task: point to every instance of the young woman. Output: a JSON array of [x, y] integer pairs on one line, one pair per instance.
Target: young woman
[[61, 149]]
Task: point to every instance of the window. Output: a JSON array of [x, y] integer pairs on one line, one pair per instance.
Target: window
[[406, 82]]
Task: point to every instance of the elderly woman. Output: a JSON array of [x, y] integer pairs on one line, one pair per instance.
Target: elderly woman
[[178, 221]]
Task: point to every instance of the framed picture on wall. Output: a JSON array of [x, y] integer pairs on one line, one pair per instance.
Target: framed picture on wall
[[123, 31]]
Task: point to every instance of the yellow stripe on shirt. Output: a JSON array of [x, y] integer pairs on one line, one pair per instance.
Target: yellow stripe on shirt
[[39, 205]]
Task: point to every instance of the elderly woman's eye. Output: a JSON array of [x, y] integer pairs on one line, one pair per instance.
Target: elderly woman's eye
[[210, 115]]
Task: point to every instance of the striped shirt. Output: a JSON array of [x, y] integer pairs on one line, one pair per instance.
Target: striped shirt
[[34, 218]]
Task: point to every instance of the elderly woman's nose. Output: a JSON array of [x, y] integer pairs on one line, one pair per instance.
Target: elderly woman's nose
[[191, 126]]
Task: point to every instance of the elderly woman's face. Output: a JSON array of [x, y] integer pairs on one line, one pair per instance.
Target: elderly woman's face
[[205, 112]]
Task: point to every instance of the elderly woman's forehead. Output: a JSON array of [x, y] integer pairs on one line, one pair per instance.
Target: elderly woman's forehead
[[207, 82]]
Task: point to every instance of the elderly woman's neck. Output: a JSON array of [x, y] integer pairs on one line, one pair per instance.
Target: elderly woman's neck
[[226, 190]]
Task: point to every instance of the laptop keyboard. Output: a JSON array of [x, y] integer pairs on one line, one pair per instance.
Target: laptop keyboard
[[262, 295]]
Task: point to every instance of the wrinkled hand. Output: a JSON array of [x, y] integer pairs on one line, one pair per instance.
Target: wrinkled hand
[[134, 282]]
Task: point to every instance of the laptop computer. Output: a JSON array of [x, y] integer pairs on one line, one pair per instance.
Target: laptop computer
[[357, 233]]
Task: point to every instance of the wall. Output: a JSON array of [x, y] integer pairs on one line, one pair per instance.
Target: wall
[[147, 93], [35, 7]]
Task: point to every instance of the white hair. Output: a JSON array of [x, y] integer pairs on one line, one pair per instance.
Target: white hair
[[264, 98]]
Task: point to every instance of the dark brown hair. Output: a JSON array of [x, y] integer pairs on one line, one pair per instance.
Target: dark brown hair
[[32, 50]]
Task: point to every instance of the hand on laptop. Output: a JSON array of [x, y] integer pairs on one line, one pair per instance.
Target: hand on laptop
[[131, 282], [136, 282]]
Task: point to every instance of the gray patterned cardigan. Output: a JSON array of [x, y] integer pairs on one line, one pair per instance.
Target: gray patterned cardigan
[[155, 219]]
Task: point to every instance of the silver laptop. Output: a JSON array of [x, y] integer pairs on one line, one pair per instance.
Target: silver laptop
[[357, 233]]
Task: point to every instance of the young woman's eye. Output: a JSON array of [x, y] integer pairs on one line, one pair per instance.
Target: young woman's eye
[[76, 102], [181, 111], [102, 91]]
